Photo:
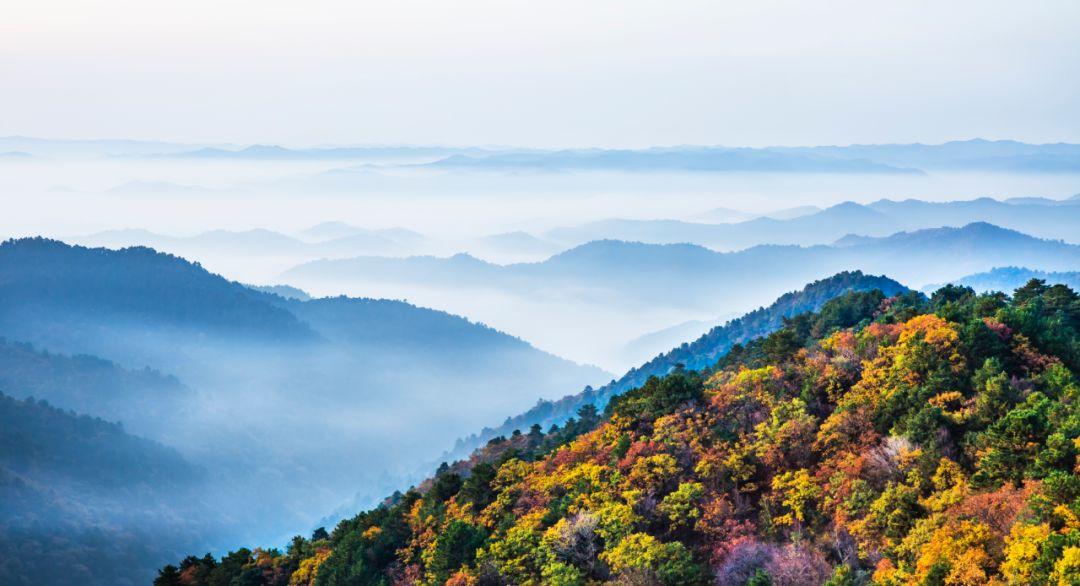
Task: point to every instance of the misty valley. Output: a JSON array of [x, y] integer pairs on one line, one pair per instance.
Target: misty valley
[[645, 384], [561, 293]]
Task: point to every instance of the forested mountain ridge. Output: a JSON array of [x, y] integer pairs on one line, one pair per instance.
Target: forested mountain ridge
[[287, 404], [67, 298], [696, 354], [74, 299], [902, 442], [140, 399], [102, 454], [135, 283], [83, 502]]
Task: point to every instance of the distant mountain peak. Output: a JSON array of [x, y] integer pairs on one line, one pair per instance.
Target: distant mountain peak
[[256, 149]]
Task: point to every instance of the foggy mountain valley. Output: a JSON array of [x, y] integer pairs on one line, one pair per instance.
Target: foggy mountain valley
[[519, 294]]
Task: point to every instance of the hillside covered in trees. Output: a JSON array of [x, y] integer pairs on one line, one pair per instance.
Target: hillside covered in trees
[[888, 440], [140, 399], [285, 405], [698, 354], [84, 503]]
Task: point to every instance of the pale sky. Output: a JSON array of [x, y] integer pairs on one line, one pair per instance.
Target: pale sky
[[551, 73]]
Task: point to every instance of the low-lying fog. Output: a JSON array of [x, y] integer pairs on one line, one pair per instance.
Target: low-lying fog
[[337, 427], [498, 216], [71, 197]]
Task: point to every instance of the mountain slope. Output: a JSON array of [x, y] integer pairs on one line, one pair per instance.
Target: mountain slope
[[903, 441], [344, 390], [141, 399], [73, 298], [136, 306], [83, 502], [696, 354], [41, 279], [644, 347]]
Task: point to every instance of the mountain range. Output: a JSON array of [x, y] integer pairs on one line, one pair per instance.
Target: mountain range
[[699, 159], [142, 308], [599, 285], [258, 242], [259, 254], [962, 155], [644, 273], [970, 155], [144, 400], [879, 218], [287, 404]]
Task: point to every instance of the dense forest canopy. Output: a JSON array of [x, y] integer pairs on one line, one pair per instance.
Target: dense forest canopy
[[888, 440], [696, 354], [84, 503]]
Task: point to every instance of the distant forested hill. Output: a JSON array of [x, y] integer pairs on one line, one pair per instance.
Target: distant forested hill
[[287, 404], [642, 272], [82, 502], [619, 290], [143, 308], [697, 354], [1043, 218], [69, 297], [90, 385], [1011, 278]]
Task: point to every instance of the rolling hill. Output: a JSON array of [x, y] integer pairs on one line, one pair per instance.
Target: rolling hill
[[326, 387]]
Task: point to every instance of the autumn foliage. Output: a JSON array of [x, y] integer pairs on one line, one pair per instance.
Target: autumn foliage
[[899, 441]]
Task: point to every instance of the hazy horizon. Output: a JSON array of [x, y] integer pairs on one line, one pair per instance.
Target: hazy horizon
[[553, 75]]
